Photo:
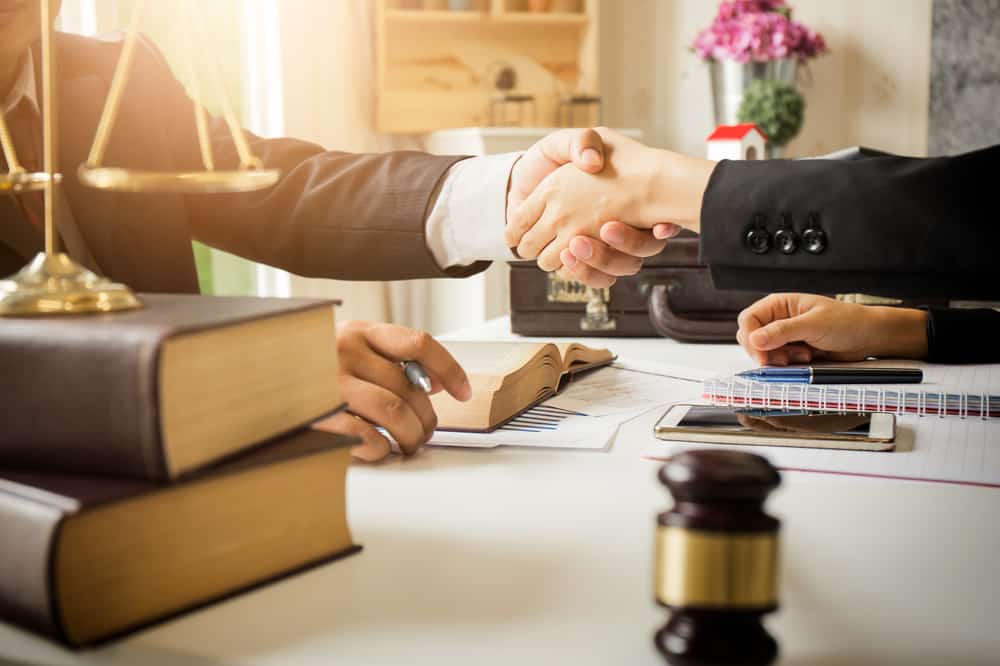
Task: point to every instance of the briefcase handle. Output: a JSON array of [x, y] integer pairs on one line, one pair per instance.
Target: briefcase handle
[[671, 325]]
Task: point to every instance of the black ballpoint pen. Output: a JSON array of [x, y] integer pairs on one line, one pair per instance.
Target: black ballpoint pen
[[835, 375]]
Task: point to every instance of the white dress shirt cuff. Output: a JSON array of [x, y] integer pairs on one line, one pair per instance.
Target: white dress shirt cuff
[[467, 221]]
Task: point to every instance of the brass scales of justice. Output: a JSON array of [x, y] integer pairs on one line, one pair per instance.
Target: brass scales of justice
[[52, 283]]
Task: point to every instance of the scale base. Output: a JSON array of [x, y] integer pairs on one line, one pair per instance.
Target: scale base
[[57, 285]]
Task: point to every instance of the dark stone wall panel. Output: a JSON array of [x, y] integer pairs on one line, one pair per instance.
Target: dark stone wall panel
[[965, 76]]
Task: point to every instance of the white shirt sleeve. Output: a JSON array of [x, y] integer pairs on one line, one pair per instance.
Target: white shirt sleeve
[[467, 221]]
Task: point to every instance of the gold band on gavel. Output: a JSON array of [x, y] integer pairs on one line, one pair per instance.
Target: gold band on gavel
[[716, 570]]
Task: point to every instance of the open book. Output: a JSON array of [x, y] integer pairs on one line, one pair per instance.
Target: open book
[[509, 377]]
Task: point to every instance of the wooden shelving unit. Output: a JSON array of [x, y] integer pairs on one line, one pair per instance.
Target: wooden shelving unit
[[439, 16], [436, 66], [548, 18], [433, 16]]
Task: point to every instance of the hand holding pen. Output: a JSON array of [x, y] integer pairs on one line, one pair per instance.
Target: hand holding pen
[[378, 393]]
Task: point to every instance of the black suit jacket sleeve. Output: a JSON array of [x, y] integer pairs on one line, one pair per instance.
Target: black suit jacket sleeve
[[332, 214], [963, 336], [894, 226]]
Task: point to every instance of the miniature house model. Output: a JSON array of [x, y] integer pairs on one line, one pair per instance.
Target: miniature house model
[[736, 142]]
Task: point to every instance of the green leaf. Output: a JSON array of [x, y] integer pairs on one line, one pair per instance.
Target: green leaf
[[775, 107]]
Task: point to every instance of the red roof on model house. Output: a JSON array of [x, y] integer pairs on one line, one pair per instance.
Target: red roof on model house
[[734, 132]]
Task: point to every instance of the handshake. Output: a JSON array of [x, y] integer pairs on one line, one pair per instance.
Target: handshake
[[591, 204]]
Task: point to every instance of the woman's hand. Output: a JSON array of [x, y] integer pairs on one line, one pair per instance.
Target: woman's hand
[[797, 328], [619, 252], [377, 392]]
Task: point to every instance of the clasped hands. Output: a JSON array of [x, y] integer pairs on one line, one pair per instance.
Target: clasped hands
[[595, 220]]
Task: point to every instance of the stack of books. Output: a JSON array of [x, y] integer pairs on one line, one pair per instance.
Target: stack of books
[[155, 461]]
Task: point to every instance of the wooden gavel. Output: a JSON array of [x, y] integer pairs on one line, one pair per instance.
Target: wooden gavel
[[717, 559]]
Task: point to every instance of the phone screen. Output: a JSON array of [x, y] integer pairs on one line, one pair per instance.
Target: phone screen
[[777, 422]]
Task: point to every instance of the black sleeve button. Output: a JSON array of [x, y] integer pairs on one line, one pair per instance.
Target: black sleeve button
[[786, 240], [758, 240], [814, 240]]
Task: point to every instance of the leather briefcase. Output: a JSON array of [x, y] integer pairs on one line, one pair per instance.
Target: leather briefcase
[[671, 296]]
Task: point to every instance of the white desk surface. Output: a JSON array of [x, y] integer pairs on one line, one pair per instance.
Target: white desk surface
[[519, 556]]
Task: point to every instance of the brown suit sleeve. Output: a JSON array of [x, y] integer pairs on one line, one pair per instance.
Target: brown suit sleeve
[[332, 214]]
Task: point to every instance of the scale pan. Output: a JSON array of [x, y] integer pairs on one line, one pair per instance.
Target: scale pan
[[178, 182], [24, 181]]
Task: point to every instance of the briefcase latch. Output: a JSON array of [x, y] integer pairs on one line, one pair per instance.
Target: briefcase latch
[[560, 290], [596, 315]]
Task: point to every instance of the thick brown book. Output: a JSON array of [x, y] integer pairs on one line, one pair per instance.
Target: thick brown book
[[158, 392], [85, 559], [509, 378]]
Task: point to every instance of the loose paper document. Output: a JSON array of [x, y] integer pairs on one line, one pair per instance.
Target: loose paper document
[[626, 386], [545, 427], [586, 414]]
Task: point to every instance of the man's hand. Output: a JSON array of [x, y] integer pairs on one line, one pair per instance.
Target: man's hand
[[377, 392], [797, 328], [585, 150]]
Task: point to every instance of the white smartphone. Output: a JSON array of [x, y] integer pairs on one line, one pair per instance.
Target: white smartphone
[[875, 431]]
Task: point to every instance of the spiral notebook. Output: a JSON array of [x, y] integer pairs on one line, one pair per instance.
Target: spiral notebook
[[971, 391], [933, 441]]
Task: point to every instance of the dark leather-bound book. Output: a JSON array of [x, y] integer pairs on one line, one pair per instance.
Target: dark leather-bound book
[[156, 393], [85, 559]]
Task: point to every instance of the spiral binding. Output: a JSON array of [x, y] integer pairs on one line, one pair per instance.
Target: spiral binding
[[823, 397]]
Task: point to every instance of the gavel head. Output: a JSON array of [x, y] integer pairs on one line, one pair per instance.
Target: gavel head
[[717, 559]]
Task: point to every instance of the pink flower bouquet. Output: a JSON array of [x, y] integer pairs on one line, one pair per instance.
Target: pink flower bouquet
[[757, 31]]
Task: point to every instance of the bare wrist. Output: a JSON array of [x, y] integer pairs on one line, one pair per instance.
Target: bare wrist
[[677, 188], [901, 332]]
